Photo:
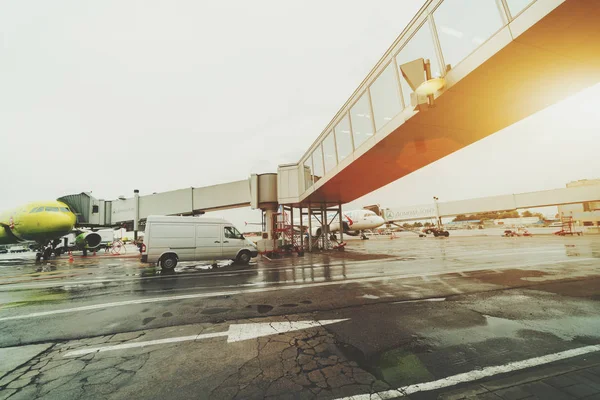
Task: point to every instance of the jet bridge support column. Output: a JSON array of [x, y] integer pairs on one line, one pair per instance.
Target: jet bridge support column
[[341, 223], [292, 236], [324, 227], [136, 218], [310, 241], [301, 229], [270, 221]]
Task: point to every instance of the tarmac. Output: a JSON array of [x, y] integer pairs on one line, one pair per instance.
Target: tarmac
[[481, 317]]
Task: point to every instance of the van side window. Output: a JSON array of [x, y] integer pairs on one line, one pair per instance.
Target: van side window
[[229, 233], [232, 233]]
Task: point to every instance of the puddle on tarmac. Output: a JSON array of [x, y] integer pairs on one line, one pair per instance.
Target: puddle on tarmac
[[263, 308], [566, 328], [400, 365], [396, 365], [406, 364]]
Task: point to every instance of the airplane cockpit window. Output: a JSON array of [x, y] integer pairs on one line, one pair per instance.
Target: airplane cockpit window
[[65, 209], [51, 209], [39, 209], [33, 210]]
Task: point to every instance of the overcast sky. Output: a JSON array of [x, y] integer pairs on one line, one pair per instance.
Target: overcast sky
[[108, 96]]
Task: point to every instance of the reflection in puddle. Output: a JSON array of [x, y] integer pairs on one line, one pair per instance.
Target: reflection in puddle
[[399, 365], [567, 328], [184, 268]]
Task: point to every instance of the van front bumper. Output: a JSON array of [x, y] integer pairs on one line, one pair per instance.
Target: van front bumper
[[144, 258], [254, 253]]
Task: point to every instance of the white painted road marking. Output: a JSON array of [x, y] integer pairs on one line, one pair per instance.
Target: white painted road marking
[[142, 344], [270, 289], [236, 333], [474, 375], [420, 300]]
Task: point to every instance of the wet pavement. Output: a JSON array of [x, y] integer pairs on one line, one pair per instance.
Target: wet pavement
[[409, 317]]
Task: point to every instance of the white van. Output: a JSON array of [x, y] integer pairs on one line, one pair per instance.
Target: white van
[[168, 240]]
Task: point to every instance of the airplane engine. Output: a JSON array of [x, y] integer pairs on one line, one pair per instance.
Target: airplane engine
[[88, 240]]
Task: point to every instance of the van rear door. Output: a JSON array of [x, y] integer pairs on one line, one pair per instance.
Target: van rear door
[[208, 242]]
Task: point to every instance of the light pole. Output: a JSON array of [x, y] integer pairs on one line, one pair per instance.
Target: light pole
[[437, 212]]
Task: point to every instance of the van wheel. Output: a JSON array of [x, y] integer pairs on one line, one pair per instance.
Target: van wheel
[[168, 262], [244, 257]]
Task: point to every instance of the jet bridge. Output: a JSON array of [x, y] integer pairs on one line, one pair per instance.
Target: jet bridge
[[260, 191], [460, 71], [509, 202]]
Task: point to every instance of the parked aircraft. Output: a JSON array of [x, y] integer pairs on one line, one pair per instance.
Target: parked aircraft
[[354, 223], [44, 223]]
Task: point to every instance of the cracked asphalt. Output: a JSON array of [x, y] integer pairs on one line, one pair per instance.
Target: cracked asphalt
[[392, 313]]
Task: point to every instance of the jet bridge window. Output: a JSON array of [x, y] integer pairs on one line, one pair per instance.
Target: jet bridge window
[[419, 46], [51, 209], [463, 26]]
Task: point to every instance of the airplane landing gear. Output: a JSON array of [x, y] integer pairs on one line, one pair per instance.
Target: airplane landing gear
[[363, 236], [44, 253]]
